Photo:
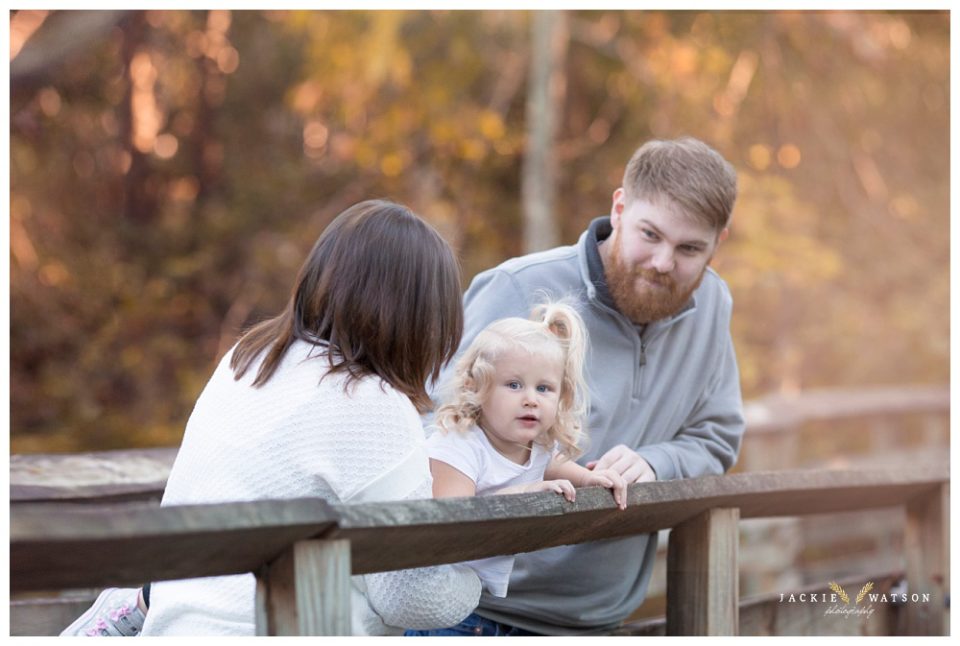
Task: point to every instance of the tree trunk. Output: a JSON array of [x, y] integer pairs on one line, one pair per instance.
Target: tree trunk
[[138, 204], [545, 99]]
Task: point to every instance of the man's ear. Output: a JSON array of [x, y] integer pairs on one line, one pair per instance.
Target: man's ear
[[723, 235], [616, 207]]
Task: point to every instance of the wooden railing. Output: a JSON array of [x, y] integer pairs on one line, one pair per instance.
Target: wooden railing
[[779, 413], [304, 550], [60, 545]]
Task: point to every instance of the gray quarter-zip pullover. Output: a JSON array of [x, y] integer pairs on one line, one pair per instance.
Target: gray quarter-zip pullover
[[670, 390]]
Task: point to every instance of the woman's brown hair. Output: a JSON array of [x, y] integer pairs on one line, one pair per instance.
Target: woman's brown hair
[[383, 289]]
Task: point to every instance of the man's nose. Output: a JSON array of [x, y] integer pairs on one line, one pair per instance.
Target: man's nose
[[663, 260]]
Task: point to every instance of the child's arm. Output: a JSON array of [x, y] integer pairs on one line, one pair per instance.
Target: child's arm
[[583, 477], [560, 485], [449, 482]]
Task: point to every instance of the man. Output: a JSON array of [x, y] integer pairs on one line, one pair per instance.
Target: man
[[663, 378]]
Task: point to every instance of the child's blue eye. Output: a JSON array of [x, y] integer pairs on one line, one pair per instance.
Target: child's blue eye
[[513, 385], [542, 389]]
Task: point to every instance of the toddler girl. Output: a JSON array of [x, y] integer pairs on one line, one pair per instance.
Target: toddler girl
[[515, 417]]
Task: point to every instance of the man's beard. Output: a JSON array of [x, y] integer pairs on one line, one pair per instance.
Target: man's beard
[[652, 303]]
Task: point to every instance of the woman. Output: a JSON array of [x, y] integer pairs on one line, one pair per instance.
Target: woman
[[324, 400]]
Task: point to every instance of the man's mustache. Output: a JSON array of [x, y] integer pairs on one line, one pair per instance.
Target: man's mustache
[[654, 276]]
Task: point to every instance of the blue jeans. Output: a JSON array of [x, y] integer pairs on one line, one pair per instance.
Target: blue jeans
[[473, 626]]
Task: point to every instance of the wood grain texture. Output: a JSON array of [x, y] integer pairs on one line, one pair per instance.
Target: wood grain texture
[[71, 546], [136, 474], [65, 546], [306, 590], [391, 535], [702, 575], [46, 617], [927, 548]]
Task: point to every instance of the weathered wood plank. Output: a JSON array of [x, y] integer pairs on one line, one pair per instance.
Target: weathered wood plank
[[70, 546], [779, 412], [927, 547], [46, 617], [702, 575], [391, 535], [107, 476], [107, 546], [306, 590]]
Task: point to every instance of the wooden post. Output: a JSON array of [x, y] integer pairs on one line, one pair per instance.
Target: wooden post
[[306, 590], [703, 587], [927, 544]]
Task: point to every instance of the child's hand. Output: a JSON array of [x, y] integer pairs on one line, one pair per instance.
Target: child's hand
[[611, 480], [563, 487]]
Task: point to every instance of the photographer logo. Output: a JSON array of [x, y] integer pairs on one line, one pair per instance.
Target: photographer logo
[[838, 601]]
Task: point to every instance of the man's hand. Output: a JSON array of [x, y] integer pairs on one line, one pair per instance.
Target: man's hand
[[626, 462]]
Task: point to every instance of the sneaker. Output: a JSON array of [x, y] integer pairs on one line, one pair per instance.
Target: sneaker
[[114, 614]]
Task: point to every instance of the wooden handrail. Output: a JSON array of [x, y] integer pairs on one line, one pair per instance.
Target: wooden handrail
[[294, 546], [783, 412], [70, 546], [63, 546], [391, 535]]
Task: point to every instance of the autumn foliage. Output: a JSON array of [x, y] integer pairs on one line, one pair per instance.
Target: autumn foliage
[[170, 169]]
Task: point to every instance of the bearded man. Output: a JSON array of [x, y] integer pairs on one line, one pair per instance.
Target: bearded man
[[664, 386]]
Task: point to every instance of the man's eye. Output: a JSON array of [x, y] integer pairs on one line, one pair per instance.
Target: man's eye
[[649, 234]]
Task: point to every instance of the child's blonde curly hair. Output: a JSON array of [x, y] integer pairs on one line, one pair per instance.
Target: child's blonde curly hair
[[555, 331]]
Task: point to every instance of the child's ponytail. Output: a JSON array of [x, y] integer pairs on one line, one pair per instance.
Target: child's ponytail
[[565, 323]]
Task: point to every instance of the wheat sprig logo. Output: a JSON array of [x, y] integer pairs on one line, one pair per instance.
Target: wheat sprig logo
[[840, 592], [864, 590]]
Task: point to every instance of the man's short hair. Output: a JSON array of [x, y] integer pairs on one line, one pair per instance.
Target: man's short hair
[[689, 173]]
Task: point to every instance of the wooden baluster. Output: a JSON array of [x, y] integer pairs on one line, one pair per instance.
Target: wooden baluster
[[927, 546], [306, 590], [703, 586]]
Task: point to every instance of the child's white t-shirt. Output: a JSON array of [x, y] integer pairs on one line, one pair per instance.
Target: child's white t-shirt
[[472, 454]]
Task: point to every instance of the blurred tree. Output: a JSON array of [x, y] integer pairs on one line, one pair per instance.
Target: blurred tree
[[170, 169], [545, 99]]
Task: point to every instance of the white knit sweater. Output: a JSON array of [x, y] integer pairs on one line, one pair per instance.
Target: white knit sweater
[[297, 436]]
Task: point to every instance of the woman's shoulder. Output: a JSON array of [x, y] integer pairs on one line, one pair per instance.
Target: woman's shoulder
[[312, 364], [373, 390]]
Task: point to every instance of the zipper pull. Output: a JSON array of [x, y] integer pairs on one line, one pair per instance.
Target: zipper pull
[[643, 354]]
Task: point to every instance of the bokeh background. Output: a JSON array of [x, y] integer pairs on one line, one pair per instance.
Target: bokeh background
[[170, 169]]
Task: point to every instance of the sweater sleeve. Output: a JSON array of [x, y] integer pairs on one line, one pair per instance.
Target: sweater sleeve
[[421, 598]]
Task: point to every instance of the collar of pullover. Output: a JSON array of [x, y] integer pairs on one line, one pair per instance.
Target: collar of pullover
[[599, 230]]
